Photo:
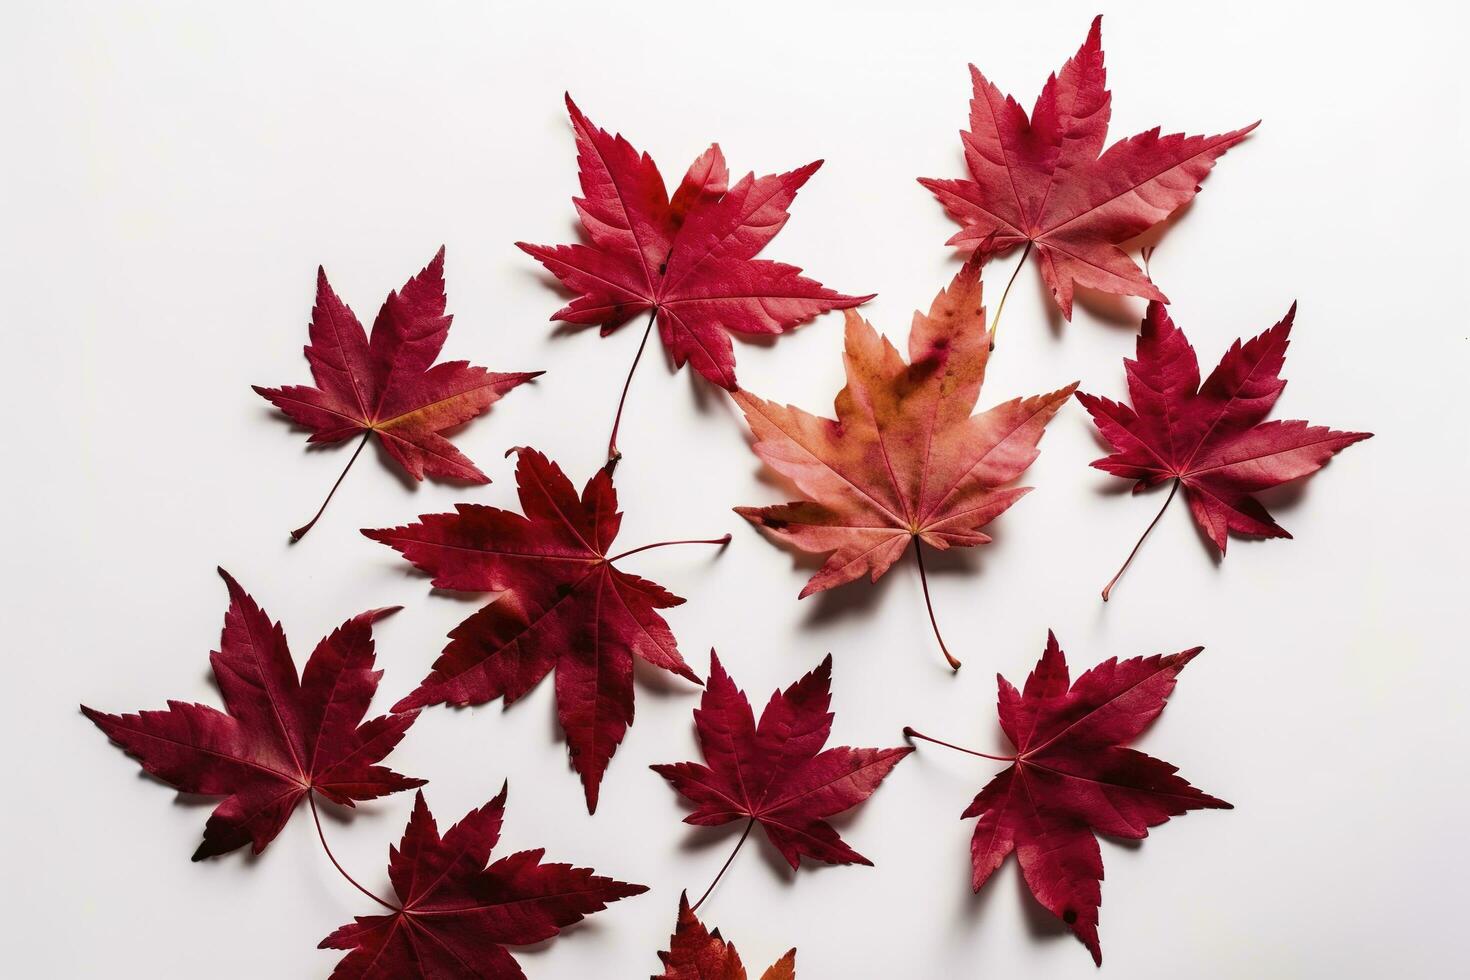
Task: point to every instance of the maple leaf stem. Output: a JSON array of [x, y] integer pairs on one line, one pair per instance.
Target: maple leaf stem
[[910, 733], [1107, 589], [664, 544], [613, 454], [300, 532], [311, 798], [1000, 307], [924, 579], [723, 868]]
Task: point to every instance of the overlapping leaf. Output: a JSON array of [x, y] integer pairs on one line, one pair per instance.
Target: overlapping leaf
[[1045, 181], [689, 258], [904, 461]]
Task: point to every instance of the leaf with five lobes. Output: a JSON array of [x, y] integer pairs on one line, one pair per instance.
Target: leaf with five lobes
[[1046, 181], [455, 915], [1210, 438], [1071, 778], [388, 382], [280, 737], [696, 953], [564, 605], [687, 259], [904, 462], [776, 773]]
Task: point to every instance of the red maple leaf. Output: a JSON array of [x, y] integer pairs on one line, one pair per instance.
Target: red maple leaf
[[777, 773], [282, 739], [1046, 180], [1071, 778], [689, 259], [1209, 438], [904, 461], [455, 916], [565, 606], [389, 384], [696, 953]]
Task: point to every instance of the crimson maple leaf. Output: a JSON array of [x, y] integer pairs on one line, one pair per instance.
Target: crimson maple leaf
[[1071, 778], [1209, 438], [455, 916], [389, 384], [689, 259], [696, 953], [1046, 180], [776, 773], [565, 606], [283, 738], [904, 462]]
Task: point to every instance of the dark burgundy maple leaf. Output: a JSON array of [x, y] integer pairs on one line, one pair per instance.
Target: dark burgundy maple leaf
[[1045, 181], [565, 606], [1209, 438], [283, 738], [1071, 778], [696, 953], [388, 382], [689, 259], [776, 773], [454, 915]]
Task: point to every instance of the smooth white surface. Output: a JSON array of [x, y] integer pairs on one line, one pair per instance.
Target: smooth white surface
[[174, 174]]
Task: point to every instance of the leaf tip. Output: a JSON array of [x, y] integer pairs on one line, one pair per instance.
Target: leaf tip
[[1185, 656]]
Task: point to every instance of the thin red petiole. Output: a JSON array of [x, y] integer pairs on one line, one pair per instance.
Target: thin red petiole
[[613, 454], [725, 867], [1107, 589], [910, 733], [924, 578], [664, 544], [1000, 307], [311, 798], [300, 532]]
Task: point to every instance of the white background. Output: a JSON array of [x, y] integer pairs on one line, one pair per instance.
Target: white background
[[173, 174]]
